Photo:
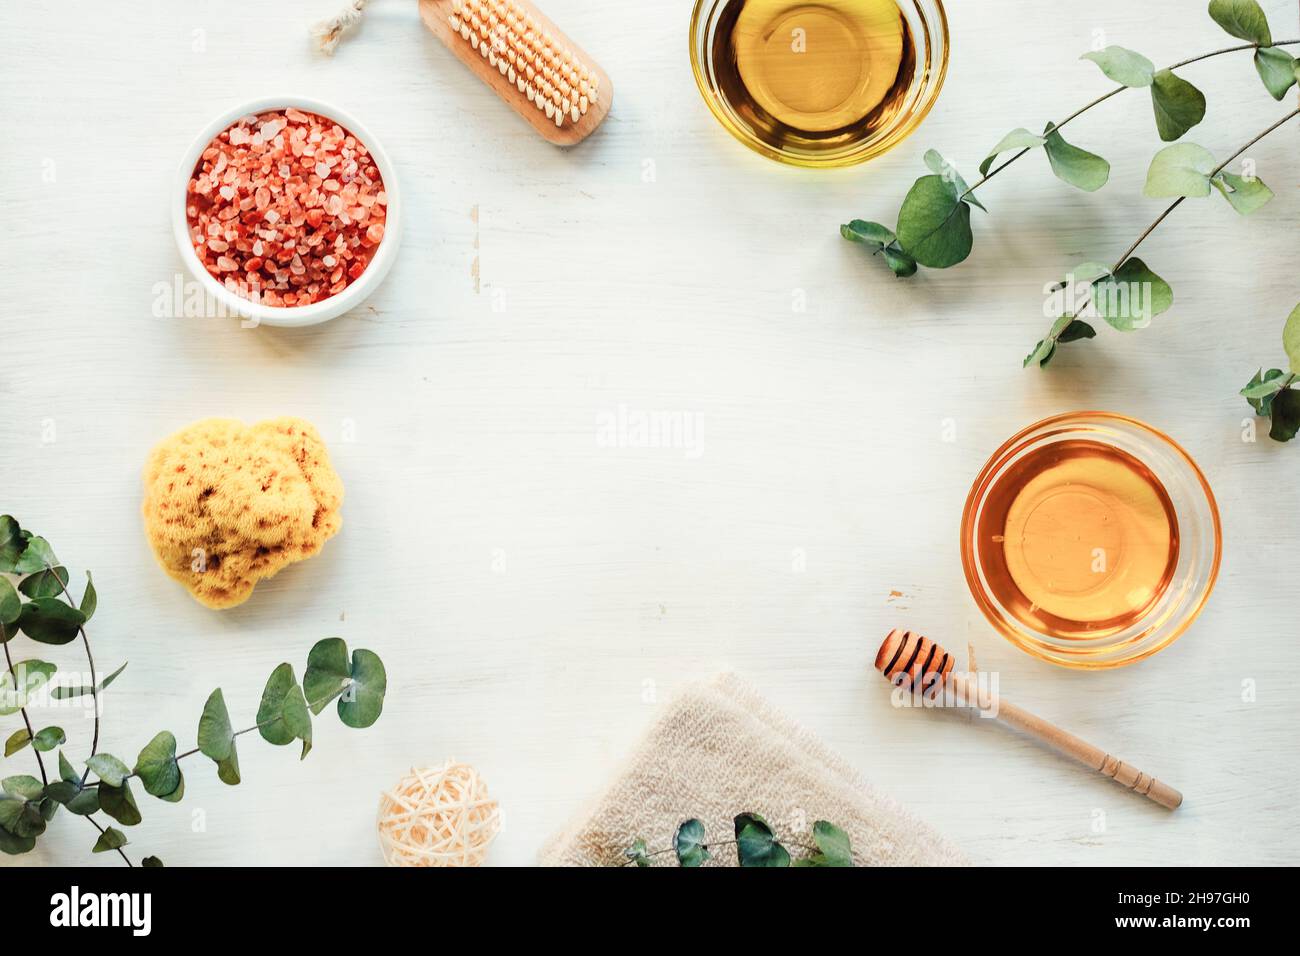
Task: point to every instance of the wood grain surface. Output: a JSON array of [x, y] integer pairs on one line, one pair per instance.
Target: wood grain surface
[[539, 577]]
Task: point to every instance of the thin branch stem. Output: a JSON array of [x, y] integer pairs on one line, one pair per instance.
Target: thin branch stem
[[1179, 201], [31, 734], [90, 658], [1119, 89]]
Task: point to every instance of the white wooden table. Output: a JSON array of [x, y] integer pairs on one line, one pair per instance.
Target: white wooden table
[[537, 593]]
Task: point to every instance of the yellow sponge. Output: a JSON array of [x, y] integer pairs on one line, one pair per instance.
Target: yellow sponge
[[226, 504]]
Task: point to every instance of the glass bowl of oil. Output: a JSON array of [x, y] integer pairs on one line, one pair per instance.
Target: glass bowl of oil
[[822, 83], [1091, 540]]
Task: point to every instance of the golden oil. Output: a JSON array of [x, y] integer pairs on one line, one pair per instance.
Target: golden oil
[[1078, 539], [814, 75]]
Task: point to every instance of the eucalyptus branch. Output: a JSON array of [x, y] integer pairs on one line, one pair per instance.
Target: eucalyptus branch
[[755, 842], [41, 608], [1119, 89], [1128, 253]]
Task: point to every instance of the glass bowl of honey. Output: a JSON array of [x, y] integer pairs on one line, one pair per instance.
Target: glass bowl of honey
[[1091, 540], [820, 84]]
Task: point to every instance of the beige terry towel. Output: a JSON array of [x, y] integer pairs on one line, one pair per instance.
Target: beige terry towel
[[718, 750]]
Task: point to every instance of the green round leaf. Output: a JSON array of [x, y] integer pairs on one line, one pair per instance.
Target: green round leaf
[[47, 583], [637, 853], [1132, 297], [48, 620], [1243, 19], [688, 844], [119, 803], [89, 598], [755, 843], [1183, 169], [328, 673], [217, 738], [109, 769], [900, 262], [1123, 66], [158, 770], [948, 171], [49, 738], [1245, 195], [1017, 139], [19, 686], [869, 233], [151, 862], [363, 701], [12, 544], [111, 839], [282, 716], [1078, 167], [1277, 69], [36, 556], [17, 741], [933, 226], [1286, 415], [1178, 105], [1291, 339], [13, 845], [834, 844], [11, 605]]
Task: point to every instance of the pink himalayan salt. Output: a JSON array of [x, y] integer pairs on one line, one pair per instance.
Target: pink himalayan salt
[[286, 208]]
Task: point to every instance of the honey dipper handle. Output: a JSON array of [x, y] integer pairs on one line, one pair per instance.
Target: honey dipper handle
[[1085, 753]]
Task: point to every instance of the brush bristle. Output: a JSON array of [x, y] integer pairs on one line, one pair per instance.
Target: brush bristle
[[549, 75]]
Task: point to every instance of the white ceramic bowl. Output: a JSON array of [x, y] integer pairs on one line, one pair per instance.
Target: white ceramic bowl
[[291, 316]]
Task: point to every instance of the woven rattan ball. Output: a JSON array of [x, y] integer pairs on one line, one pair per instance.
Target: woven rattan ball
[[438, 816]]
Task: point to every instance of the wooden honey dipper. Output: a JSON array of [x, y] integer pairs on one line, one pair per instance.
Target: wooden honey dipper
[[906, 656]]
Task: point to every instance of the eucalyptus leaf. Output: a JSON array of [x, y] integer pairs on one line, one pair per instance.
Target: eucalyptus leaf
[[1123, 66], [328, 672], [151, 862], [13, 845], [46, 583], [109, 769], [756, 845], [688, 844], [217, 738], [900, 262], [1291, 339], [23, 787], [1178, 105], [119, 803], [948, 171], [1277, 69], [1285, 414], [159, 773], [48, 620], [1183, 169], [89, 598], [1064, 330], [12, 544], [1243, 19], [933, 225], [871, 234], [1017, 139], [1078, 167], [111, 839], [1132, 297], [62, 692], [282, 716], [11, 605], [363, 701], [1264, 384], [37, 556], [834, 844], [49, 738], [19, 684], [637, 853], [1245, 195], [17, 741]]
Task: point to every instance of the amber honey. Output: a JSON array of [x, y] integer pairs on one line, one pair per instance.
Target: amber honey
[[1077, 539], [814, 75]]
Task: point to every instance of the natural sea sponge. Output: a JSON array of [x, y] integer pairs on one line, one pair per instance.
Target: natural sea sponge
[[227, 504]]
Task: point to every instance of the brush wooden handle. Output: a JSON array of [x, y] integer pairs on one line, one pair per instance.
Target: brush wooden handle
[[438, 16], [909, 656]]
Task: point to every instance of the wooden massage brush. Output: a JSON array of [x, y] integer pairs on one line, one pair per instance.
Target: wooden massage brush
[[530, 63], [905, 655]]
